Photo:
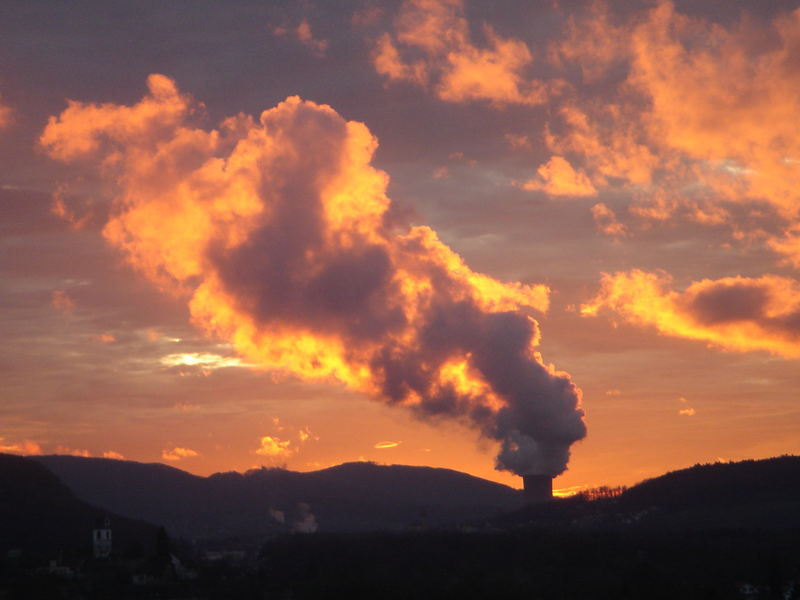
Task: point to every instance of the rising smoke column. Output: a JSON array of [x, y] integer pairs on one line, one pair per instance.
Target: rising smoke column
[[278, 234]]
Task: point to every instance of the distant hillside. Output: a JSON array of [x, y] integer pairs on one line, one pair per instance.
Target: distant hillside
[[38, 512], [349, 497], [755, 495]]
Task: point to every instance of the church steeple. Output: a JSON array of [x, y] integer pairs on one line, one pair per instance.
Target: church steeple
[[101, 538]]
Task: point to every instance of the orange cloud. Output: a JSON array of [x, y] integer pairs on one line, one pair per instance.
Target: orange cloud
[[205, 361], [82, 128], [114, 455], [5, 116], [689, 116], [274, 447], [303, 34], [26, 447], [450, 63], [734, 313], [62, 302], [276, 233], [705, 111], [307, 39], [557, 178], [606, 220], [788, 244], [386, 445], [366, 15], [72, 451], [518, 141], [306, 434], [177, 453], [687, 412], [570, 491]]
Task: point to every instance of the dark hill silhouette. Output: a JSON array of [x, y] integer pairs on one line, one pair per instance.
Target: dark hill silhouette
[[348, 497], [725, 483], [39, 513], [754, 495], [360, 497]]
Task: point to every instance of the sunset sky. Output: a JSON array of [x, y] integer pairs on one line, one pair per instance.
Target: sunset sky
[[424, 232]]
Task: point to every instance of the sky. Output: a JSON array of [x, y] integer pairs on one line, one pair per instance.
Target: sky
[[549, 236]]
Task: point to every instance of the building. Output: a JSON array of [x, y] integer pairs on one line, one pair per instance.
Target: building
[[101, 538]]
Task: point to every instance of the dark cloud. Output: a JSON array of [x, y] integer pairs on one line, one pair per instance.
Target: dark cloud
[[748, 302], [733, 302]]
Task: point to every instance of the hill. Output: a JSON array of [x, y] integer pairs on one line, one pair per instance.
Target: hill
[[751, 494], [39, 513], [349, 497], [754, 495], [361, 497]]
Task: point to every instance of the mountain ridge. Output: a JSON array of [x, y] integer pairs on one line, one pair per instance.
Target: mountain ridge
[[362, 497], [755, 495], [347, 497]]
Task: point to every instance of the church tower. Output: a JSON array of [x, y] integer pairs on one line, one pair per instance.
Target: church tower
[[101, 538]]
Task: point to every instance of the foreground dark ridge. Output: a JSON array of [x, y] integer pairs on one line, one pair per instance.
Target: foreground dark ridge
[[710, 531], [38, 513]]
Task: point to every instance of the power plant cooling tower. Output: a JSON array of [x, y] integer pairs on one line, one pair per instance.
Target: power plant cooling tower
[[538, 488]]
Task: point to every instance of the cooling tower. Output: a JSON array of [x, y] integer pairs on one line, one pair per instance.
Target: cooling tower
[[538, 488]]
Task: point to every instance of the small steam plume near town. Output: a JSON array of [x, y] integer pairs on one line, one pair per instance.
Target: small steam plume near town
[[302, 520], [305, 522], [279, 235]]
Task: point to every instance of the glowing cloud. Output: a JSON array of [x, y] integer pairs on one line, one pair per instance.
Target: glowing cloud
[[306, 434], [606, 221], [61, 301], [689, 116], [788, 245], [304, 35], [557, 178], [177, 453], [277, 234], [570, 491], [386, 445], [705, 111], [5, 116], [205, 360], [457, 70], [274, 447], [26, 447], [114, 455], [734, 313], [72, 451]]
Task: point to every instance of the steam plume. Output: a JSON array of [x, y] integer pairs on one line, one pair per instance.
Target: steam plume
[[277, 234]]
